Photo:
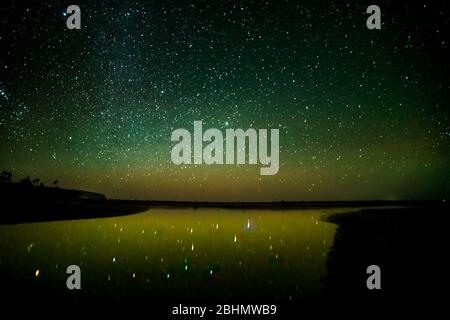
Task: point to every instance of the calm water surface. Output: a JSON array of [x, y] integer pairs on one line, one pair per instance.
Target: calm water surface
[[176, 254]]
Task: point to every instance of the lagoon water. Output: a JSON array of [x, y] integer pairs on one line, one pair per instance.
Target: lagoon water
[[175, 254]]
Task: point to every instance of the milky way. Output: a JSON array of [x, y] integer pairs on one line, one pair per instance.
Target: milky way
[[362, 114]]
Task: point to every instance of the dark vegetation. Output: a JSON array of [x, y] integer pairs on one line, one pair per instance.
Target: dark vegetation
[[29, 200]]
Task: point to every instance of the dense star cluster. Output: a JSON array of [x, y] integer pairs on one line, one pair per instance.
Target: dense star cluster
[[362, 114]]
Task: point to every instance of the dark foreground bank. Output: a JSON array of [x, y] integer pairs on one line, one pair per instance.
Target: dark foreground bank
[[406, 244]]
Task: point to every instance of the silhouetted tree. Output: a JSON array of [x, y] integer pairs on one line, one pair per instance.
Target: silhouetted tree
[[36, 181], [5, 177], [55, 183], [26, 182]]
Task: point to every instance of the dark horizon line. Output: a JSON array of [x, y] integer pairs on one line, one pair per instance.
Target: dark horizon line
[[280, 203]]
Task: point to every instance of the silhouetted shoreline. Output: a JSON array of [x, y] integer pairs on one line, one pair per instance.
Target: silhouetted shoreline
[[25, 201], [24, 211]]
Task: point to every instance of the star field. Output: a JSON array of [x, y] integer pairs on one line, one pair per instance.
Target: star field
[[363, 114]]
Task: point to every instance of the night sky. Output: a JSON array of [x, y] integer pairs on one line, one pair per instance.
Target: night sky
[[362, 114]]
